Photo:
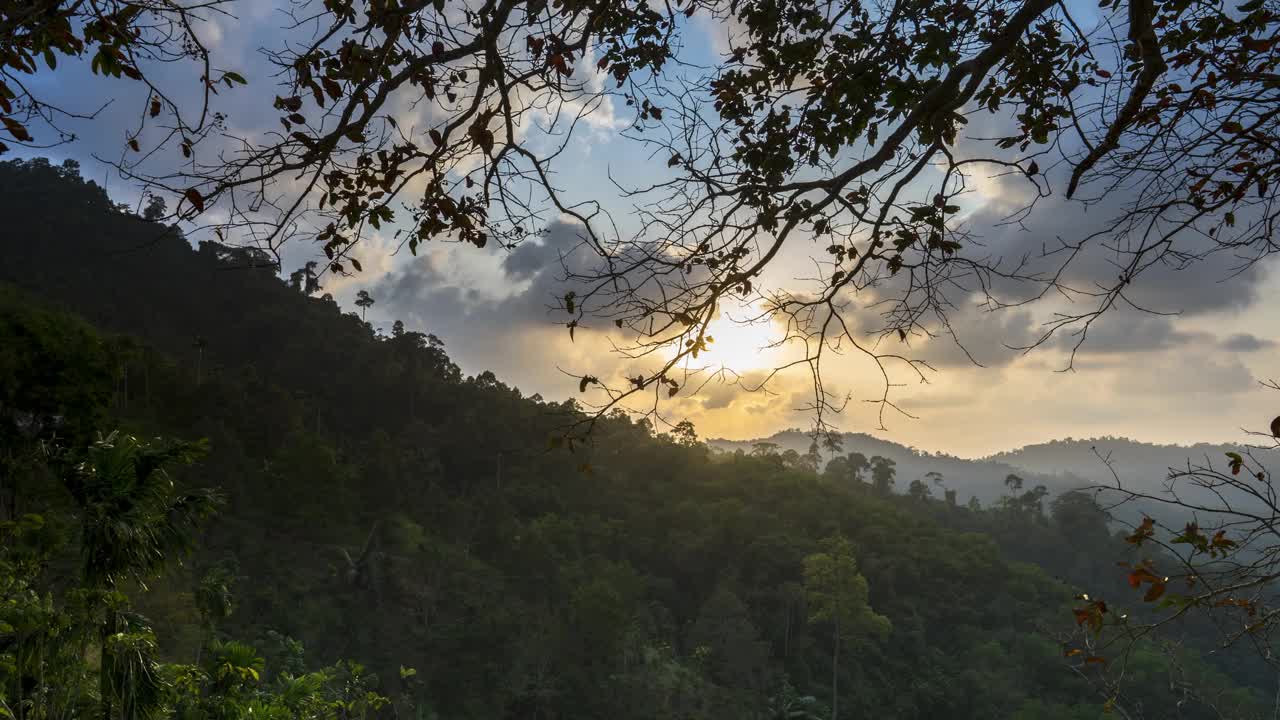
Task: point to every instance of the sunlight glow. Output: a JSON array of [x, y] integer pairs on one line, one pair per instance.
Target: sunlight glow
[[739, 344]]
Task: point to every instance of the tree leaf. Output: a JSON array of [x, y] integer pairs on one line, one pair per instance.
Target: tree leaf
[[194, 197], [16, 129]]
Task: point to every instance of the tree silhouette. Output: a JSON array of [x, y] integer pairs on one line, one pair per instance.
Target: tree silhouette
[[156, 208], [1175, 127], [919, 490], [858, 463], [305, 279], [764, 449], [882, 471], [364, 301]]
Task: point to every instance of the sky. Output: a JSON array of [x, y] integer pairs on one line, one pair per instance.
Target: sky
[[1188, 376]]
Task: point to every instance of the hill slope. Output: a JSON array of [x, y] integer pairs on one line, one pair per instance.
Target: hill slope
[[385, 507], [983, 479], [1060, 466]]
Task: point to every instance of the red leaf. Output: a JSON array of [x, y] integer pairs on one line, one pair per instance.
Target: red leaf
[[195, 198], [1154, 593]]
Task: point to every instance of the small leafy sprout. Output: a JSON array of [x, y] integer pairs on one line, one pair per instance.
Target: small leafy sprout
[[1236, 462]]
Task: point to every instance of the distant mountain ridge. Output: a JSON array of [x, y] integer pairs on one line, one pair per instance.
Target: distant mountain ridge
[[1059, 465], [1128, 457]]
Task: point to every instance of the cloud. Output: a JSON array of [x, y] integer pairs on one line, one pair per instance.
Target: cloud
[[506, 301], [718, 396], [530, 259], [1187, 375], [988, 338], [1247, 342], [1211, 281], [1130, 331]]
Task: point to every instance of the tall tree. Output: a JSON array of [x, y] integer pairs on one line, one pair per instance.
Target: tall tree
[[133, 518], [919, 490], [199, 345], [133, 523], [837, 594], [364, 301], [882, 471]]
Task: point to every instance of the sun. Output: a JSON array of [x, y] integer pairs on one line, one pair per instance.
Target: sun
[[739, 344]]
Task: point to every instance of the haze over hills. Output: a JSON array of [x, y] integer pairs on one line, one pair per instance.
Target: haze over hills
[[1059, 465]]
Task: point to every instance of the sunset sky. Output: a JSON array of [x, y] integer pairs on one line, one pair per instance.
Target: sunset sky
[[1187, 376]]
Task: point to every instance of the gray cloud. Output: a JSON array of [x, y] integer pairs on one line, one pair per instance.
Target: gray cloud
[[482, 331], [718, 396], [1190, 373], [989, 338], [1129, 331], [531, 258], [1247, 342], [1214, 281]]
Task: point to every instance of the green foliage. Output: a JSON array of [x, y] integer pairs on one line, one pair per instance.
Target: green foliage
[[133, 518], [838, 593], [49, 627], [368, 516]]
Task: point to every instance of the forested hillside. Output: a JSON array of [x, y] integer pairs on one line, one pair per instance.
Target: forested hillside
[[382, 506], [969, 479], [1059, 466]]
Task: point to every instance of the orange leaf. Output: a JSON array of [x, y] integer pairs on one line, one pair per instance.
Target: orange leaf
[[16, 129], [195, 198], [1154, 593]]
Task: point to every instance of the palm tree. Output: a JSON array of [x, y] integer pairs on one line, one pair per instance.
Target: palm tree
[[132, 516], [132, 520], [129, 678]]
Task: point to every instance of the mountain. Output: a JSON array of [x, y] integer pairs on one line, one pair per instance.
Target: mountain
[[385, 507], [983, 479], [1137, 464], [1060, 465]]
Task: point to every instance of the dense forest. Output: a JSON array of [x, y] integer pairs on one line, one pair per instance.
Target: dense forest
[[378, 505]]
